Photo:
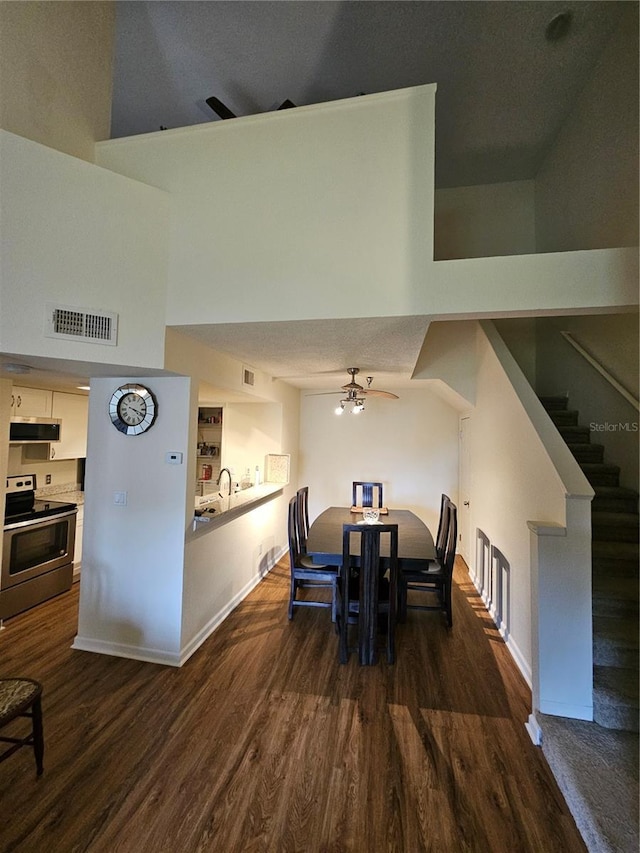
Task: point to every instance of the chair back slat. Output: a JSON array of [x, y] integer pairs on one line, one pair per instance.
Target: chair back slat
[[362, 494], [302, 497], [443, 526]]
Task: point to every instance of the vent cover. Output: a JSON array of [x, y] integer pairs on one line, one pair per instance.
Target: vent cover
[[248, 377], [81, 324]]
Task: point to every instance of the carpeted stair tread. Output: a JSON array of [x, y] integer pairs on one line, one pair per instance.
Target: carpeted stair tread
[[553, 403], [615, 526], [615, 642], [574, 433], [603, 550], [601, 473], [587, 452], [597, 771], [614, 499], [615, 697], [564, 417]]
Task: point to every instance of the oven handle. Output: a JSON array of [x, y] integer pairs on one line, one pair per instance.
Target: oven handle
[[31, 522]]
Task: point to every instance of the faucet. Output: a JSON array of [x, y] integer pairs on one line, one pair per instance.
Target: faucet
[[230, 479]]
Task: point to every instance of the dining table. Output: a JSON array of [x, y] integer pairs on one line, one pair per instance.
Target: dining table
[[415, 545]]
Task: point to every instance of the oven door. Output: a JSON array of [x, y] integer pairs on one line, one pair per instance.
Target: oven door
[[32, 548]]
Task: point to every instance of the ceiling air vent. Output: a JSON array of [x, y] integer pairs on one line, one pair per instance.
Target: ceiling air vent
[[248, 377], [80, 324]]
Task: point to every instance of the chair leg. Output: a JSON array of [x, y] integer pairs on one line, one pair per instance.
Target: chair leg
[[292, 595], [38, 736], [446, 591]]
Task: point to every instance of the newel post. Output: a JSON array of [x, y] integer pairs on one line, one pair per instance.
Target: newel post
[[561, 597]]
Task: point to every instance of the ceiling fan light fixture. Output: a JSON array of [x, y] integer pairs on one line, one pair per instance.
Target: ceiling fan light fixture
[[340, 408]]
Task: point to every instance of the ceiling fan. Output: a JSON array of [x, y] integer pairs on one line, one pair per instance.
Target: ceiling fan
[[223, 110], [356, 393]]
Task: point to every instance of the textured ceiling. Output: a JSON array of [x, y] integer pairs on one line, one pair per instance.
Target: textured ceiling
[[504, 90]]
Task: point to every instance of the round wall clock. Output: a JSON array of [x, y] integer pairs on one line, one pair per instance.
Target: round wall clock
[[132, 409]]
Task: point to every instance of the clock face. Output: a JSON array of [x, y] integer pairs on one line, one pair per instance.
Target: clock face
[[132, 409]]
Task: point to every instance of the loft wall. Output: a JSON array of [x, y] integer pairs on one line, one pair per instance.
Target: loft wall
[[56, 65], [298, 213], [587, 187]]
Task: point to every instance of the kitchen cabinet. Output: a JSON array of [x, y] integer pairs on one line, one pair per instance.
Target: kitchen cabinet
[[209, 447], [73, 412], [30, 402]]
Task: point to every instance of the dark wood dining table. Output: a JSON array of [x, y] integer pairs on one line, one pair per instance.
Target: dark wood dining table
[[324, 542], [415, 546]]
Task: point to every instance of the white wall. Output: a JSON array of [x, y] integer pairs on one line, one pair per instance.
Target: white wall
[[587, 187], [325, 205], [521, 471], [251, 430], [481, 221], [77, 235], [133, 555], [56, 64], [410, 445]]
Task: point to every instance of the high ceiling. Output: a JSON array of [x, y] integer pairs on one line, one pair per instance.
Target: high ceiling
[[504, 90]]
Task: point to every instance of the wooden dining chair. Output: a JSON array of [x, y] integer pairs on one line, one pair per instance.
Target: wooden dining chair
[[21, 697], [363, 494], [303, 518], [305, 574], [367, 588], [433, 578], [443, 522]]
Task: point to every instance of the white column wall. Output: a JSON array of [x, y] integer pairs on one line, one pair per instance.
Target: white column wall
[[133, 556]]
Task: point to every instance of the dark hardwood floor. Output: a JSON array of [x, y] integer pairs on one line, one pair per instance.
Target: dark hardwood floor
[[263, 742]]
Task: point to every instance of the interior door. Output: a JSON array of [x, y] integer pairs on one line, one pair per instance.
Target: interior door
[[464, 510]]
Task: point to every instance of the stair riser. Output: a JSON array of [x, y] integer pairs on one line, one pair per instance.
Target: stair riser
[[554, 404], [614, 568], [614, 607], [615, 717], [608, 654], [614, 505], [614, 533], [590, 453], [561, 419], [575, 435], [602, 478]]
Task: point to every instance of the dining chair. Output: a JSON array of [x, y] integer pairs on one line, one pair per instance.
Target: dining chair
[[362, 494], [21, 697], [367, 589], [305, 574], [435, 576], [441, 536], [303, 518]]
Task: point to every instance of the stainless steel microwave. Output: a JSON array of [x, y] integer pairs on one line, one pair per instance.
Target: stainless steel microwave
[[29, 430]]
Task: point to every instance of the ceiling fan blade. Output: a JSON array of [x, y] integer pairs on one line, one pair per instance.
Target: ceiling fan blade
[[219, 108], [373, 392], [322, 393]]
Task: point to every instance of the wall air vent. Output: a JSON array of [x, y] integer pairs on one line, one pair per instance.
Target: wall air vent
[[248, 377], [81, 324]]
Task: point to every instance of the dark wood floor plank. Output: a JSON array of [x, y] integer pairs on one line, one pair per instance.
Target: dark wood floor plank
[[263, 742]]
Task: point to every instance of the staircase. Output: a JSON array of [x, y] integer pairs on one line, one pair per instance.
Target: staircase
[[615, 554]]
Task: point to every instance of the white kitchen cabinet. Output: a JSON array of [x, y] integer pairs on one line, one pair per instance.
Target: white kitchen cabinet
[[30, 402], [73, 412]]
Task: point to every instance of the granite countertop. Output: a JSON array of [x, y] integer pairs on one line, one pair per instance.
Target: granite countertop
[[64, 492]]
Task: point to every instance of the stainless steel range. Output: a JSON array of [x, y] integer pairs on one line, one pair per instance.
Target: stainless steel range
[[37, 547]]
